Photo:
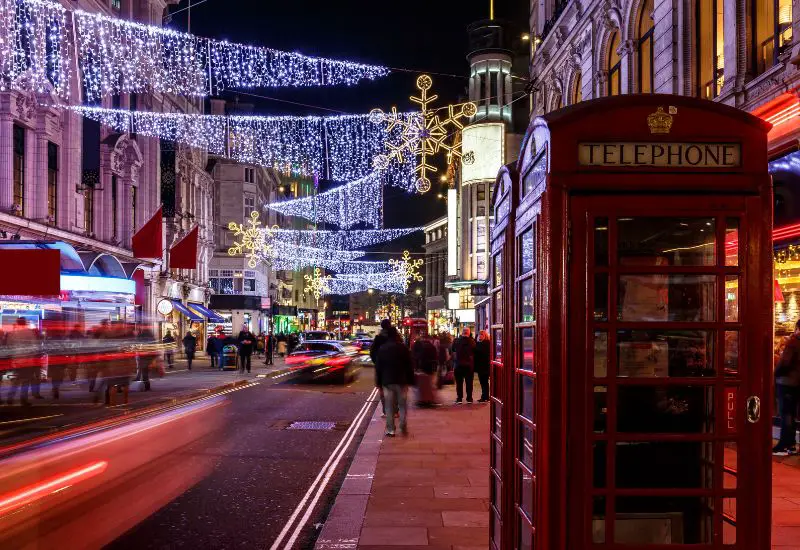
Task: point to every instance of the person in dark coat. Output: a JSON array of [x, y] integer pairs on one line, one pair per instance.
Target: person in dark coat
[[269, 348], [169, 353], [247, 341], [189, 347], [482, 364], [464, 350], [211, 350], [787, 388], [426, 360], [395, 373], [377, 343]]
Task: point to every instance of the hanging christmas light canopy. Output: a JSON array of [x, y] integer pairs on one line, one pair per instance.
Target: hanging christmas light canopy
[[340, 240], [117, 56]]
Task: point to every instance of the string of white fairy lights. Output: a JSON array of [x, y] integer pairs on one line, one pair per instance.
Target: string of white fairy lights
[[38, 38], [340, 240], [337, 147]]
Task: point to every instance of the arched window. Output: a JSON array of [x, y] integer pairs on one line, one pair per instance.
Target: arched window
[[646, 48], [577, 91], [614, 74], [710, 48]]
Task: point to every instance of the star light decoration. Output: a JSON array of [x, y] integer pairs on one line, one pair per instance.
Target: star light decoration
[[423, 135], [254, 239], [317, 283], [407, 268]]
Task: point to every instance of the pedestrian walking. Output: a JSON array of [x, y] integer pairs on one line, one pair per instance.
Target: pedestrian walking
[[246, 344], [381, 339], [395, 373], [269, 348], [23, 343], [445, 376], [482, 353], [787, 388], [464, 352], [211, 350], [426, 361], [282, 345], [189, 347], [260, 344], [145, 339], [169, 352]]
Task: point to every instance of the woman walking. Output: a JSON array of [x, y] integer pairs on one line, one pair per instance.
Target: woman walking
[[482, 364]]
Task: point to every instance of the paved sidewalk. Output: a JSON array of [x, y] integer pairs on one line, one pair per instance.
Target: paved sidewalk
[[429, 490], [786, 503], [77, 404]]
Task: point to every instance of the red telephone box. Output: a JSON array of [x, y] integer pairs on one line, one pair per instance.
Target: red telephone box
[[631, 317]]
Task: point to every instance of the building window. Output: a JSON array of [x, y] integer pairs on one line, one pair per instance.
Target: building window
[[133, 206], [19, 170], [88, 210], [249, 205], [482, 84], [494, 95], [577, 92], [480, 235], [249, 285], [116, 4], [614, 73], [250, 175], [710, 48], [772, 31], [52, 183], [481, 192], [114, 216], [222, 281], [646, 83], [481, 210]]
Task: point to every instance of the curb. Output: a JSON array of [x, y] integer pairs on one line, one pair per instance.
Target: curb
[[342, 527]]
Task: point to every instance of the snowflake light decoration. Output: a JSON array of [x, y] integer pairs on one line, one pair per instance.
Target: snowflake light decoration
[[316, 283], [407, 268], [422, 135], [253, 239]]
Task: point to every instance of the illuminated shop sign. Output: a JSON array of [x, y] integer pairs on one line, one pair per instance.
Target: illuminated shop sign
[[483, 150], [668, 155]]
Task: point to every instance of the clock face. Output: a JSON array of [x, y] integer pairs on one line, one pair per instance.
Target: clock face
[[164, 307]]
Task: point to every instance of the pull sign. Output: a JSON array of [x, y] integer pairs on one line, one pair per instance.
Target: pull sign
[[731, 397]]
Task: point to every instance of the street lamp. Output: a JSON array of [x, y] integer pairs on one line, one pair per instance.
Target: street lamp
[[418, 292]]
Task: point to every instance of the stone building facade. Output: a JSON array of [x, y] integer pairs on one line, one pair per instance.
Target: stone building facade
[[739, 52], [63, 178]]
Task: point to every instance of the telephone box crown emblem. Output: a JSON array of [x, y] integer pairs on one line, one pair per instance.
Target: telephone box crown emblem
[[659, 122]]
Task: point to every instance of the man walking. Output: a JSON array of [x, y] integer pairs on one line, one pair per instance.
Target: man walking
[[394, 372], [464, 350], [787, 387], [269, 349], [189, 347], [482, 352], [381, 339], [169, 344], [246, 341]]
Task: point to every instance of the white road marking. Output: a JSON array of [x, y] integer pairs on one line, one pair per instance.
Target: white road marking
[[323, 478]]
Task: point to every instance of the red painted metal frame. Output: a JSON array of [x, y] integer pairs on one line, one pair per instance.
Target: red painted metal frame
[[562, 472]]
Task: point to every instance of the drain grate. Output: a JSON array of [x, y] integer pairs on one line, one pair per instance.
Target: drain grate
[[312, 425]]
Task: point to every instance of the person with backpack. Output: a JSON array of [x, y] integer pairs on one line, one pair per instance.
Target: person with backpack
[[381, 339], [189, 347], [426, 360], [395, 373], [787, 389], [464, 351]]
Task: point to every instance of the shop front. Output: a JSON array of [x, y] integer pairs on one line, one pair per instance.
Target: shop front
[[285, 319], [237, 311], [632, 240]]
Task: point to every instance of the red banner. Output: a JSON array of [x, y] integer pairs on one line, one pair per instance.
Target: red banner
[[147, 241], [30, 272], [183, 255]]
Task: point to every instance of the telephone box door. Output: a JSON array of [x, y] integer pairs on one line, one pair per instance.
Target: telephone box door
[[663, 397]]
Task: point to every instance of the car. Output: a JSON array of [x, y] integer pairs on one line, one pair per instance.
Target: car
[[313, 335], [363, 345], [324, 361]]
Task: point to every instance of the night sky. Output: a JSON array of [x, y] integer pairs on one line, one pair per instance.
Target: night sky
[[416, 36]]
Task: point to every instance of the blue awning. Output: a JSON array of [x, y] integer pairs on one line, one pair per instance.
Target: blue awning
[[185, 311], [212, 316]]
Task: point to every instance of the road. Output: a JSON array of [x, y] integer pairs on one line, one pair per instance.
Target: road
[[259, 470]]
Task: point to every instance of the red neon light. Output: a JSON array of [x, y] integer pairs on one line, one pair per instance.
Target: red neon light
[[38, 491], [778, 234]]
